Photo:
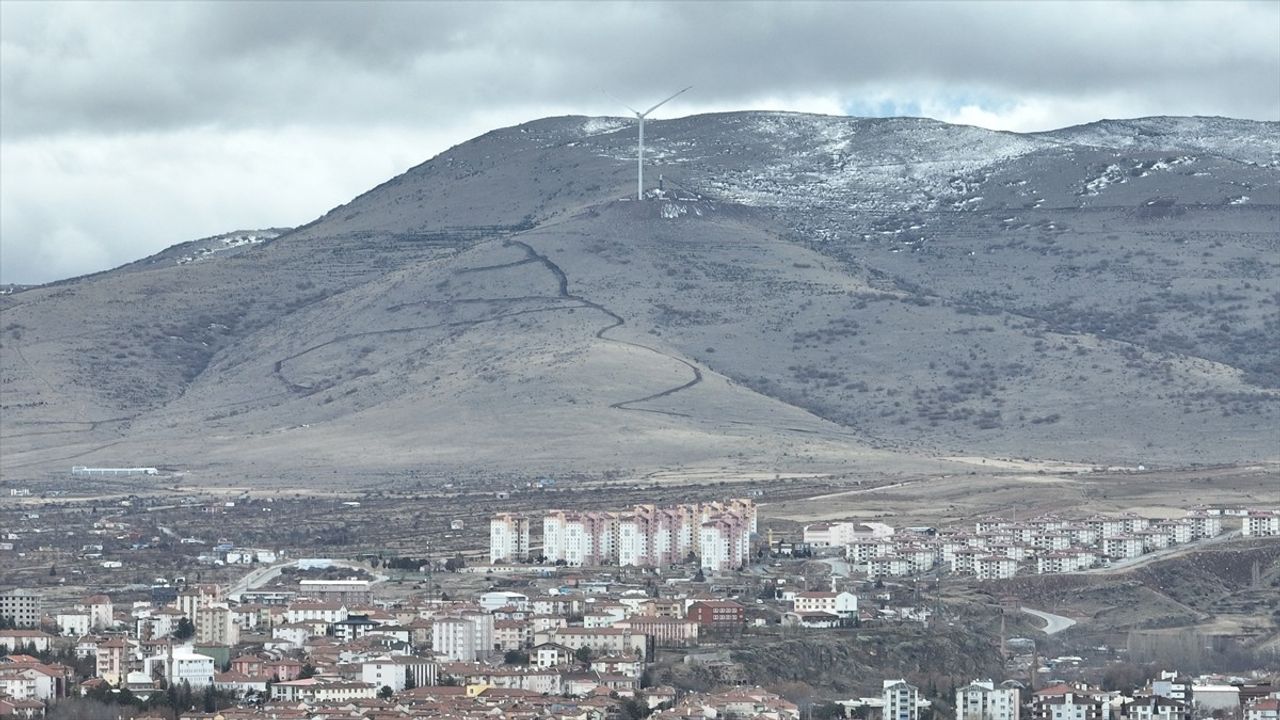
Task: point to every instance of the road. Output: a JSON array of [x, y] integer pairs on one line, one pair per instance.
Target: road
[[1053, 624], [1165, 554], [264, 575]]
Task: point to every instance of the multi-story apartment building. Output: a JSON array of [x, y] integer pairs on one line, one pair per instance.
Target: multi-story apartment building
[[453, 639], [586, 538], [508, 538], [650, 536], [101, 611], [901, 700], [1261, 523], [724, 542], [982, 700], [21, 607], [112, 660], [194, 597], [1204, 525], [216, 625], [995, 567], [1064, 702], [1123, 547]]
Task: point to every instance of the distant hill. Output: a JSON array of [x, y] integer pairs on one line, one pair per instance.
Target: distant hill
[[807, 293]]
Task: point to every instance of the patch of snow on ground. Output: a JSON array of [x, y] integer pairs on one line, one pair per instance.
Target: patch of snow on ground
[[226, 242], [603, 125], [1111, 175]]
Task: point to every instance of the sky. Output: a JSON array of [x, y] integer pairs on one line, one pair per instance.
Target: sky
[[129, 127]]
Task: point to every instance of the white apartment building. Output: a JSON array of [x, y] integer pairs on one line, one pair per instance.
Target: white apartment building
[[101, 611], [579, 538], [1179, 531], [454, 639], [650, 536], [862, 552], [1261, 523], [384, 672], [724, 543], [901, 700], [1123, 547], [482, 631], [508, 538], [1204, 525], [1106, 527], [1065, 562], [982, 700], [656, 536], [888, 566], [995, 567]]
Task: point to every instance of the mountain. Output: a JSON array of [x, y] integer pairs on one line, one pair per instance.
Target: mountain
[[806, 293]]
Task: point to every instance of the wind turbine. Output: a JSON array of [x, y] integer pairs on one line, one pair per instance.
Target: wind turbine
[[640, 146]]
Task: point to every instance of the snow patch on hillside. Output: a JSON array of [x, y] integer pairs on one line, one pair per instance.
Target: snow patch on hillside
[[222, 243]]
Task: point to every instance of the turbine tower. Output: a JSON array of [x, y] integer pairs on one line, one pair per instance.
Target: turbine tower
[[640, 145]]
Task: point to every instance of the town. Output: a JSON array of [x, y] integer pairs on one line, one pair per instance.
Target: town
[[649, 610]]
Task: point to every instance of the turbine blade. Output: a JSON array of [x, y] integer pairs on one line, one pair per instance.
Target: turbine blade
[[615, 99], [664, 102]]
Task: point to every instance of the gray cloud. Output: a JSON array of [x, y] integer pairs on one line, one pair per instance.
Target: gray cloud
[[262, 85]]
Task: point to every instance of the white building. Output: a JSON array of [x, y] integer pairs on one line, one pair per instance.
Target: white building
[[982, 700], [384, 672], [888, 566], [844, 604], [1123, 547], [845, 533], [101, 611], [508, 538], [495, 599], [1208, 698], [651, 536], [1204, 525], [579, 538], [181, 664], [454, 639], [995, 567], [724, 543], [1261, 523], [901, 700], [73, 624]]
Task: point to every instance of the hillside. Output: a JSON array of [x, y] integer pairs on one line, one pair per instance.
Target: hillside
[[811, 293]]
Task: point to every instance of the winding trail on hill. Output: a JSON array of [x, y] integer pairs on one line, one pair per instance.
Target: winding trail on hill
[[617, 321], [532, 256], [279, 365]]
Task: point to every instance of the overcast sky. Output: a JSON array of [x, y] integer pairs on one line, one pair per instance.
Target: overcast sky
[[125, 128]]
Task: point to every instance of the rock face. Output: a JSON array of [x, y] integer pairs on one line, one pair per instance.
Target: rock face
[[806, 293]]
